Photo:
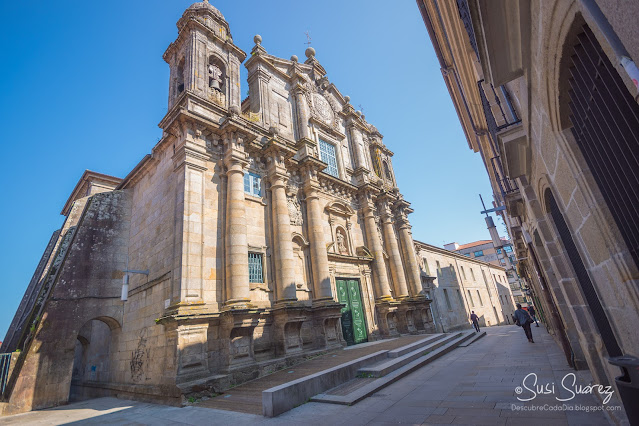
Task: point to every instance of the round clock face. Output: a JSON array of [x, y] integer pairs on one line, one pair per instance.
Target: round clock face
[[323, 108]]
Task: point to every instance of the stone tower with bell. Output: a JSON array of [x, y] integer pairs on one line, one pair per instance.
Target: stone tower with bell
[[203, 60]]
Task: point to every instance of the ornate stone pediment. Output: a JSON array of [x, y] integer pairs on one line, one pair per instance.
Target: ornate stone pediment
[[340, 208]]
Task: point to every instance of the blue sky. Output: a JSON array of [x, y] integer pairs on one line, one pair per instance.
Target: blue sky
[[83, 86]]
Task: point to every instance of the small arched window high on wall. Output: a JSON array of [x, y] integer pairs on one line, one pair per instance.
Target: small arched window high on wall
[[180, 77], [605, 124]]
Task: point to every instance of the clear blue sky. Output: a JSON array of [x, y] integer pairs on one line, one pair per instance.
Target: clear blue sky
[[83, 86]]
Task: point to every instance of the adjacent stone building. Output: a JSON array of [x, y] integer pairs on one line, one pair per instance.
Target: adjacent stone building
[[458, 285], [503, 255], [257, 232], [547, 92]]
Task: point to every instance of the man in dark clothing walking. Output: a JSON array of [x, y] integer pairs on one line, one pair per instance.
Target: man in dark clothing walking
[[475, 319], [532, 313], [524, 320]]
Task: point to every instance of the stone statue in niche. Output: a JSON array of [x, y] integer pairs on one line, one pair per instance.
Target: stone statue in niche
[[215, 77], [340, 239], [294, 210]]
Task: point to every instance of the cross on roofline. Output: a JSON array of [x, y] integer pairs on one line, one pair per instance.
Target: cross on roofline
[[308, 39], [361, 108]]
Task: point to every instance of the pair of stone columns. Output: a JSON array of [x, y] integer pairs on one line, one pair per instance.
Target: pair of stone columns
[[397, 267], [237, 269]]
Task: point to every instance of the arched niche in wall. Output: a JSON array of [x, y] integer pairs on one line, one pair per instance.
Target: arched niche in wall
[[339, 216]]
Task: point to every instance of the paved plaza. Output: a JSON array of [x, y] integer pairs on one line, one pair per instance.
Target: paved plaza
[[471, 385]]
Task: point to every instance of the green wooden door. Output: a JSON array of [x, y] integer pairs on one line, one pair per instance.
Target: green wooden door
[[353, 322]]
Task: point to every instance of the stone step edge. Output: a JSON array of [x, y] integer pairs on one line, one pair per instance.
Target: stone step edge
[[382, 382], [388, 366], [473, 339], [280, 399], [395, 353]]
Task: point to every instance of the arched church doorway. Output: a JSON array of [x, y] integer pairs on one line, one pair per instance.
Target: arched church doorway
[[92, 361]]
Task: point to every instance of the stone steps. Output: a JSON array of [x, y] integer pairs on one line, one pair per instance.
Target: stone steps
[[363, 387], [247, 397], [280, 399], [473, 339], [404, 356]]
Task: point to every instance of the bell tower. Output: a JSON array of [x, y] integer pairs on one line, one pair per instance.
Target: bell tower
[[203, 60]]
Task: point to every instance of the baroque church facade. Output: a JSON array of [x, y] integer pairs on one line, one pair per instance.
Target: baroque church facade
[[256, 233]]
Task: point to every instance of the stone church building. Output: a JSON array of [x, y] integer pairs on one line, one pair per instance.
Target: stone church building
[[256, 233]]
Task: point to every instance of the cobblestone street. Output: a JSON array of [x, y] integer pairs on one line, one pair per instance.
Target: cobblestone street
[[472, 385]]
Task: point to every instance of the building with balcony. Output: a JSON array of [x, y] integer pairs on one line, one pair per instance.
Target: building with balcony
[[546, 92]]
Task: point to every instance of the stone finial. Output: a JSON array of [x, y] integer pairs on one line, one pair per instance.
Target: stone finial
[[274, 131], [347, 99], [294, 58], [257, 39], [359, 113], [310, 53]]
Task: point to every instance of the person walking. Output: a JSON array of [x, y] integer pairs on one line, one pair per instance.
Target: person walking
[[532, 313], [523, 319], [475, 319]]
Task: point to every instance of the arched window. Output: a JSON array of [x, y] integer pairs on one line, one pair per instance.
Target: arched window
[[387, 172], [180, 77], [605, 123]]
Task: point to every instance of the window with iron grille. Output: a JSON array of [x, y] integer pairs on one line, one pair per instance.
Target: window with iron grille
[[327, 155], [253, 184], [605, 124], [256, 272]]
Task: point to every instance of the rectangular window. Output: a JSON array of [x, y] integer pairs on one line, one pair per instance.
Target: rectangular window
[[256, 274], [470, 296], [484, 274], [253, 184], [463, 272], [467, 254], [508, 249], [498, 251], [327, 155], [450, 308], [479, 253], [461, 299], [481, 302], [426, 268], [472, 273], [439, 268]]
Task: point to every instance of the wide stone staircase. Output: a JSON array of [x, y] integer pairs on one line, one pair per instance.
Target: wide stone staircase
[[344, 377]]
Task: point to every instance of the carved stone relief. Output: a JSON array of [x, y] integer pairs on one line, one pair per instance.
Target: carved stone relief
[[295, 210]]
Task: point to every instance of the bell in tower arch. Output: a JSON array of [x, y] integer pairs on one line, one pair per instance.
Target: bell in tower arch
[[215, 77]]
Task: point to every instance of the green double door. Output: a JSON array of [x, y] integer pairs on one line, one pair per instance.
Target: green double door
[[353, 323]]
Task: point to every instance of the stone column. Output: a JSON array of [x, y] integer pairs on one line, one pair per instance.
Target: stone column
[[236, 247], [392, 248], [408, 246], [382, 287], [356, 137], [282, 237], [319, 256], [302, 119]]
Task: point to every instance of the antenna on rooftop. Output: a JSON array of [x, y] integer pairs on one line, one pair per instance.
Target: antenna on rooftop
[[308, 39]]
